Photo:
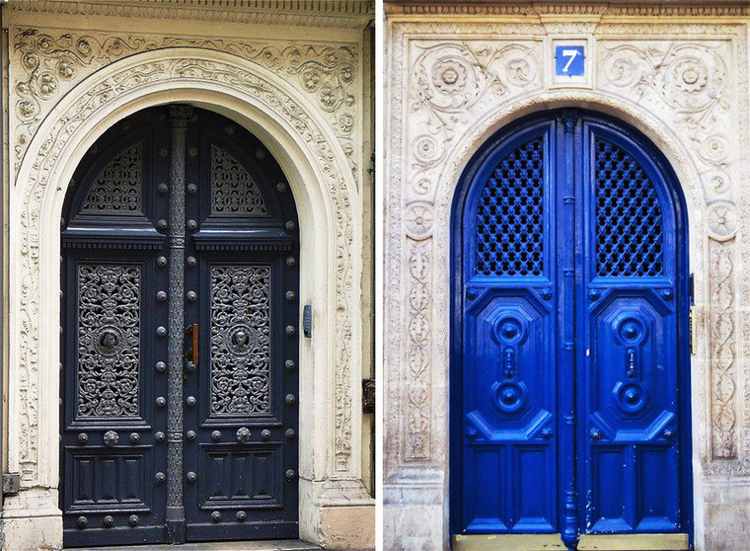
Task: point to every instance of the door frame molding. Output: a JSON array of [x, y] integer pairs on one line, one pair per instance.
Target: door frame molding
[[297, 134], [507, 137]]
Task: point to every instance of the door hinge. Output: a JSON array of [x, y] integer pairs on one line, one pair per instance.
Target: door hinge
[[368, 395], [307, 321], [11, 484], [693, 331]]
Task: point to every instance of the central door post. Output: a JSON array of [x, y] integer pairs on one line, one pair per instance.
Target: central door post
[[179, 116], [566, 371]]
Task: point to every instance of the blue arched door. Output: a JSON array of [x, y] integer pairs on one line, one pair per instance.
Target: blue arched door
[[570, 365]]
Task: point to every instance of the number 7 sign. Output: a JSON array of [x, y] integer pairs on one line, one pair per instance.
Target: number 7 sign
[[569, 61]]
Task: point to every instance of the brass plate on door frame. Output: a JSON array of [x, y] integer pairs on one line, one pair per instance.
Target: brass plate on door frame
[[508, 542], [633, 542]]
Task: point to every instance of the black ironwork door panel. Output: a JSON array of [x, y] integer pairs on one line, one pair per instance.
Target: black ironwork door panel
[[113, 342], [180, 316], [241, 397]]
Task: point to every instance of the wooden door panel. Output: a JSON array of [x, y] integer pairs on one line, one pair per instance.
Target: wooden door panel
[[570, 369], [157, 447]]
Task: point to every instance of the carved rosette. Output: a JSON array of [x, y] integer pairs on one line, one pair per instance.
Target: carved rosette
[[243, 80], [452, 82], [687, 81]]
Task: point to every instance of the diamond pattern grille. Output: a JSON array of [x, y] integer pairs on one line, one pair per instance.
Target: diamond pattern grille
[[629, 233], [510, 215]]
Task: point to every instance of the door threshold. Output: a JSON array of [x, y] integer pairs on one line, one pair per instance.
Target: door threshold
[[258, 545], [508, 542], [586, 542], [633, 542]]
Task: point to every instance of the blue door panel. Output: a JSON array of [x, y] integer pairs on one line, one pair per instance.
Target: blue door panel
[[533, 493], [658, 488], [488, 512], [513, 397], [570, 368]]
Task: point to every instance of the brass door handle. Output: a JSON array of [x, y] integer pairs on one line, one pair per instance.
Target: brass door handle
[[191, 333]]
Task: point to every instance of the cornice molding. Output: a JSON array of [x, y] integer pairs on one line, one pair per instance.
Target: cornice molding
[[320, 13], [644, 8]]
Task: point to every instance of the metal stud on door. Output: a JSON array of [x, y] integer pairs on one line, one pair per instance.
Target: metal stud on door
[[177, 358], [570, 367]]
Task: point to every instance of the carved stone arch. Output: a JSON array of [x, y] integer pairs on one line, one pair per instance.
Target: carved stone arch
[[297, 134]]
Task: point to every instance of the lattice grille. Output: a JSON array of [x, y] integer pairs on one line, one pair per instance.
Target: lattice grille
[[629, 233], [510, 215], [234, 192], [117, 188]]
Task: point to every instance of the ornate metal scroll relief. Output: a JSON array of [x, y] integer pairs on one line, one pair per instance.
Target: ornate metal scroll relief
[[233, 190], [117, 188], [109, 310], [240, 340]]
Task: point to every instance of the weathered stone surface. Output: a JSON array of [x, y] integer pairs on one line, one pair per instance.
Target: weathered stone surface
[[679, 74], [294, 74]]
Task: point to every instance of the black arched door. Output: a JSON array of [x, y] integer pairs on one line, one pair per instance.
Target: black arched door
[[180, 311], [570, 376]]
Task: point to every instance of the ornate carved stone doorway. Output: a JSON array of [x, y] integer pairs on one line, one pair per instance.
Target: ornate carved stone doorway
[[179, 348]]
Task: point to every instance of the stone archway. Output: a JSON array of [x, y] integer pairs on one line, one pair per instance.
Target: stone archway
[[319, 174], [427, 153]]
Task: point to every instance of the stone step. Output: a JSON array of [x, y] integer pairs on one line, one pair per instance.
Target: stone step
[[264, 545]]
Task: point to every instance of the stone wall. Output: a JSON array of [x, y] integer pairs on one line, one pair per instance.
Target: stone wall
[[456, 73]]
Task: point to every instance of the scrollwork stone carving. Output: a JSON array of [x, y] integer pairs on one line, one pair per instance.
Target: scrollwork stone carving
[[51, 64], [723, 351], [418, 392]]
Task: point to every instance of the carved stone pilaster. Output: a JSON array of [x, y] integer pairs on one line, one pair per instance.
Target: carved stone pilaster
[[723, 347]]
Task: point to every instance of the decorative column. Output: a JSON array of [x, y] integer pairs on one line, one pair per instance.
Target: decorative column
[[179, 116]]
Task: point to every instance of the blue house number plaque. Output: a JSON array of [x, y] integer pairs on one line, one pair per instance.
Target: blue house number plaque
[[569, 61]]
